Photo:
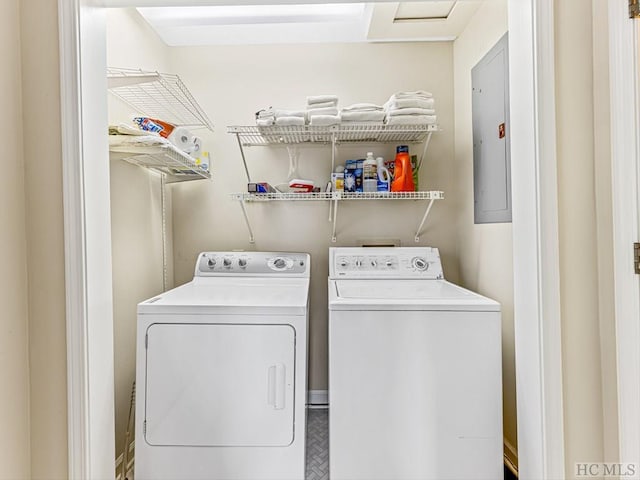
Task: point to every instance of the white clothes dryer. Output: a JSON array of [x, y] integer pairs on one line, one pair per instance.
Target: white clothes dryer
[[415, 379], [221, 371]]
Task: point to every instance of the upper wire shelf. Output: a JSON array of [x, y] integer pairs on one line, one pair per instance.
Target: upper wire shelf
[[352, 133], [158, 95]]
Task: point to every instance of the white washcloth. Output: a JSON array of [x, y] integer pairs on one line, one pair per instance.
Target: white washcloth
[[289, 121], [412, 120], [363, 107], [266, 113], [321, 99], [324, 120], [417, 94], [323, 105], [265, 122], [137, 141], [322, 111], [371, 116], [410, 111], [410, 103], [289, 113]]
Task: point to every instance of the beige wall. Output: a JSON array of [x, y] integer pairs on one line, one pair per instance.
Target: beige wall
[[484, 251], [136, 212], [14, 332], [231, 83], [45, 242]]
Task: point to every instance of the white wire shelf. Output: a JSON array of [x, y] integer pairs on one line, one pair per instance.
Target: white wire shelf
[[157, 95], [177, 166], [323, 196], [352, 133]]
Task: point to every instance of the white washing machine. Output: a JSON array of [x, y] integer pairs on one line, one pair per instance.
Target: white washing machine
[[415, 379], [221, 371]]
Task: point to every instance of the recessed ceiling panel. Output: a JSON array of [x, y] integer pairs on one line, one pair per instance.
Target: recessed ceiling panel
[[416, 11]]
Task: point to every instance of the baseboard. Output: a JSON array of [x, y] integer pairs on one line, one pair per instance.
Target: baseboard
[[318, 398], [510, 457]]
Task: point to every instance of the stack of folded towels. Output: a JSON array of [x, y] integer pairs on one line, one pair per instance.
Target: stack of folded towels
[[410, 108], [275, 116], [322, 110], [362, 113]]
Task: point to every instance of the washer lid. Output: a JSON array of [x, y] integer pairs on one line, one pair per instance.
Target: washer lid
[[405, 295], [274, 296]]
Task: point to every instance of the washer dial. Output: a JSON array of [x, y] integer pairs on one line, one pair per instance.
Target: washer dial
[[419, 263]]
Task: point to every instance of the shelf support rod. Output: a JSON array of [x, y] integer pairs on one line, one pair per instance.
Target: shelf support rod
[[424, 150], [424, 219], [333, 167], [244, 161], [335, 218], [246, 220]]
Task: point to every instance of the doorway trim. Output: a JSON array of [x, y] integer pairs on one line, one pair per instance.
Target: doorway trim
[[87, 234], [625, 160]]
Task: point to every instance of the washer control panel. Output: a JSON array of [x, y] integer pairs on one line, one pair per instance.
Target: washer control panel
[[392, 262], [252, 263]]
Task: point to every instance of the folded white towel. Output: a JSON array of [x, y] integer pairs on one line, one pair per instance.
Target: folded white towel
[[289, 121], [321, 99], [410, 111], [265, 122], [412, 120], [266, 113], [416, 94], [323, 105], [137, 141], [372, 116], [322, 111], [362, 107], [410, 103], [289, 113], [324, 120]]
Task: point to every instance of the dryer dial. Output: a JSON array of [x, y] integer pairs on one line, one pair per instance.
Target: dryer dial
[[420, 263]]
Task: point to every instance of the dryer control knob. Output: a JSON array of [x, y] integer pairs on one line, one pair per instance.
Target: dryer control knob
[[358, 262], [211, 262], [420, 263], [242, 263], [280, 263], [374, 263], [226, 261], [343, 263]]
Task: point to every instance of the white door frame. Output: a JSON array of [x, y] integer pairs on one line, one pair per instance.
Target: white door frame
[[625, 155], [87, 234]]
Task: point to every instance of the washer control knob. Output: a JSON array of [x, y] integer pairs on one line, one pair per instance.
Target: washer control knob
[[374, 263], [226, 261], [344, 263], [420, 263], [280, 263], [211, 262], [242, 263], [358, 262], [389, 263]]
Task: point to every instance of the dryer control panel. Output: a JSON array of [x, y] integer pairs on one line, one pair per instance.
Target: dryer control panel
[[253, 264], [392, 262]]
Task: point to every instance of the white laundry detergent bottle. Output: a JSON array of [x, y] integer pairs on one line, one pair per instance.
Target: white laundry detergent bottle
[[384, 177], [370, 174]]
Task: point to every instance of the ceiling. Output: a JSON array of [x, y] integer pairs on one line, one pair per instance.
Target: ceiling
[[427, 20]]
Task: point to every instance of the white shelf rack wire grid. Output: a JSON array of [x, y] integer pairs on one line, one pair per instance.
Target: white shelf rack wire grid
[[157, 95], [344, 133], [319, 196], [177, 166]]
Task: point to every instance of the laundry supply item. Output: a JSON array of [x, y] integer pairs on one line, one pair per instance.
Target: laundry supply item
[[196, 147], [412, 120], [260, 187], [203, 161], [182, 138], [337, 181], [415, 94], [403, 174], [164, 129], [312, 100], [410, 103], [384, 177], [410, 111], [362, 116], [322, 111], [301, 185], [289, 121], [265, 122], [324, 120], [370, 174], [124, 129], [289, 113]]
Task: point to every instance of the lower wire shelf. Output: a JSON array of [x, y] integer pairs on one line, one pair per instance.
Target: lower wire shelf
[[334, 198]]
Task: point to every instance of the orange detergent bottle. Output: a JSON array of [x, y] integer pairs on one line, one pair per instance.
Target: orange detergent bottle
[[402, 172]]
